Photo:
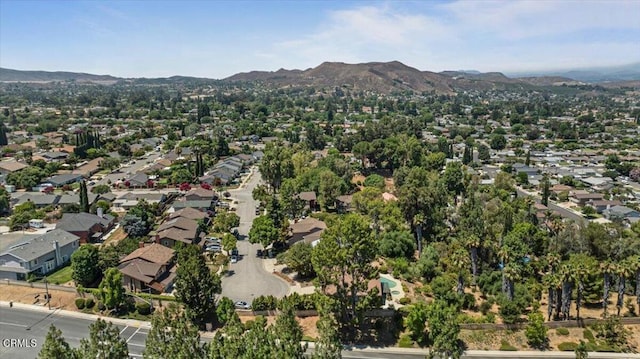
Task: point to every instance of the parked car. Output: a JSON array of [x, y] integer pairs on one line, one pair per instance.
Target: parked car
[[213, 248], [234, 259], [259, 253], [234, 252], [242, 305]]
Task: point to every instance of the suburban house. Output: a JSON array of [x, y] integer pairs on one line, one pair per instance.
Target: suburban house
[[582, 197], [55, 156], [39, 255], [64, 179], [90, 168], [306, 230], [139, 180], [149, 268], [200, 194], [189, 213], [198, 205], [178, 229], [131, 199], [310, 200], [7, 167], [89, 227], [622, 213], [601, 205]]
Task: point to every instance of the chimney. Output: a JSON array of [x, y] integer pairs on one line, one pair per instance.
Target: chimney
[[141, 244], [56, 248], [100, 212]]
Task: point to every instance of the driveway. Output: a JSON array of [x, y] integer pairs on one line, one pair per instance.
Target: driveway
[[247, 278]]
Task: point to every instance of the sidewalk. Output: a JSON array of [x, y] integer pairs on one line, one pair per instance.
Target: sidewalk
[[269, 265], [79, 315]]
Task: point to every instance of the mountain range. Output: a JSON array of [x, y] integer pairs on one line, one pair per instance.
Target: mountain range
[[381, 77]]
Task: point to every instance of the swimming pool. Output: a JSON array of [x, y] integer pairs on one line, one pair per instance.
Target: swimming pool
[[390, 283]]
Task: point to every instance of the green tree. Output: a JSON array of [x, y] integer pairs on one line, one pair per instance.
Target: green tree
[[289, 334], [111, 289], [374, 180], [4, 201], [264, 231], [546, 191], [229, 241], [104, 342], [346, 251], [536, 331], [276, 164], [84, 199], [328, 345], [581, 351], [196, 286], [331, 186], [497, 142], [444, 330], [483, 153], [416, 321], [85, 265], [55, 346], [225, 220], [173, 336], [298, 258], [225, 310]]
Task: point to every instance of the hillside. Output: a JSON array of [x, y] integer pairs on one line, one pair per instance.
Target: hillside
[[9, 75], [381, 77]]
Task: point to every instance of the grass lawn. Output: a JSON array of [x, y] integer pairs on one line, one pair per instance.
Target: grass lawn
[[62, 275]]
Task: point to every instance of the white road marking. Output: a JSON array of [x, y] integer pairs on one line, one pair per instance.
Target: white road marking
[[134, 333], [125, 328], [15, 325]]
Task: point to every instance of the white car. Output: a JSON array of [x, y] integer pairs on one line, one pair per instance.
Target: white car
[[242, 305], [234, 259]]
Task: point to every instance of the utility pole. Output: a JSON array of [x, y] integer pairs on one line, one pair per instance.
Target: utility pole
[[46, 288]]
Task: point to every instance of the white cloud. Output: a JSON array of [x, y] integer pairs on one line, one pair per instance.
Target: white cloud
[[484, 35]]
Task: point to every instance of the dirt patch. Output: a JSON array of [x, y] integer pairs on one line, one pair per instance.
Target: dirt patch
[[308, 324], [118, 235], [21, 294]]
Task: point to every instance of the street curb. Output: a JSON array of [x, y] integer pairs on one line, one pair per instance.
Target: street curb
[[69, 313]]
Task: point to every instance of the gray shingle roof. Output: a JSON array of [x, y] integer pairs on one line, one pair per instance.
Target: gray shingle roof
[[41, 245], [76, 222]]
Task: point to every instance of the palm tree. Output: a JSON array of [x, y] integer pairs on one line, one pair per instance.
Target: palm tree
[[624, 270], [582, 266], [511, 273], [549, 280], [460, 264], [566, 281], [606, 268], [472, 242], [636, 267]]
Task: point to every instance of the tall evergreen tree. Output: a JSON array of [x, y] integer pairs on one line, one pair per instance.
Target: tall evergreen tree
[[3, 135], [104, 342], [84, 197], [173, 336], [55, 346]]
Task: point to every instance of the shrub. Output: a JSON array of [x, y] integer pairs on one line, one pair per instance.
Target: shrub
[[567, 346], [89, 303], [100, 305], [509, 311], [80, 303], [506, 347], [143, 308], [536, 332], [469, 301], [588, 335], [562, 331], [262, 302], [405, 300], [405, 341], [485, 307]]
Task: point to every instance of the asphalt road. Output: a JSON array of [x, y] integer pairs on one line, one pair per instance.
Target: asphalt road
[[28, 329], [247, 278]]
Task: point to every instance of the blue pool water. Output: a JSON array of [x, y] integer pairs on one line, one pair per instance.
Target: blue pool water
[[390, 283]]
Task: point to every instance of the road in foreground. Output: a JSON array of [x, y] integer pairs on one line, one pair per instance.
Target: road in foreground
[[29, 324]]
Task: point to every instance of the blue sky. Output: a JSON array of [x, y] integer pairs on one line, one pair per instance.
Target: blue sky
[[219, 38]]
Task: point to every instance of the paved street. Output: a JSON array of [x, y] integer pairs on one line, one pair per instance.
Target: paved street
[[247, 278], [24, 325]]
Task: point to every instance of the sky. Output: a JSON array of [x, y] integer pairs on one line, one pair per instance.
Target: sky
[[217, 38]]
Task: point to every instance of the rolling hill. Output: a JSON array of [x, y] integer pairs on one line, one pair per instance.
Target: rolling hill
[[9, 75]]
